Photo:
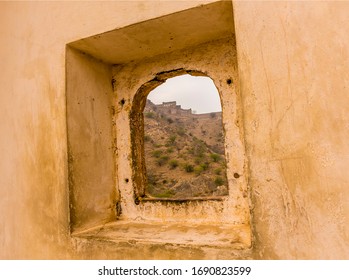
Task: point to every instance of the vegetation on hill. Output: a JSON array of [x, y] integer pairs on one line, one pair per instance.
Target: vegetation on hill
[[184, 154]]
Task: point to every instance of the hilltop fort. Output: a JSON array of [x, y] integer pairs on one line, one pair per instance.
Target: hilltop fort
[[172, 108]]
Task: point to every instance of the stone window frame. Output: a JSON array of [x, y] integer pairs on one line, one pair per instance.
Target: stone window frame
[[115, 75], [130, 79]]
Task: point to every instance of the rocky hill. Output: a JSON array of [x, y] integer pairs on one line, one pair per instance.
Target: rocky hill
[[184, 152]]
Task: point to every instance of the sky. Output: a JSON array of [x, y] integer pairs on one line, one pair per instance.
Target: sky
[[191, 92]]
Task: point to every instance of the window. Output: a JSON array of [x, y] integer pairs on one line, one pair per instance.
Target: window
[[184, 146], [109, 76]]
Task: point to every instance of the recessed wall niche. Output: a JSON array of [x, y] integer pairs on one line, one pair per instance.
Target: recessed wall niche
[[107, 75]]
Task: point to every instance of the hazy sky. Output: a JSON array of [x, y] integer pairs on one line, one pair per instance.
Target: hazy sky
[[197, 93]]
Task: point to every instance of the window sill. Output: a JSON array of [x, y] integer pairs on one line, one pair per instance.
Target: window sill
[[204, 198], [210, 235]]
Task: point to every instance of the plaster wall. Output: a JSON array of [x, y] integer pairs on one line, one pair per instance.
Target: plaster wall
[[34, 216], [91, 145], [293, 73]]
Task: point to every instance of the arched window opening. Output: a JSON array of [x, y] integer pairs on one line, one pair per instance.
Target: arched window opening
[[184, 140]]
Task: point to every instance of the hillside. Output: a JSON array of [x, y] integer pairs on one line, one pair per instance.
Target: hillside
[[184, 152]]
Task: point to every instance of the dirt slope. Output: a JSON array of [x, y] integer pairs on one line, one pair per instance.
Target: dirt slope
[[184, 153]]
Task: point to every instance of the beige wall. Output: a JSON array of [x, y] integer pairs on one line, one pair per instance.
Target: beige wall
[[91, 164], [33, 183], [294, 72], [293, 65]]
